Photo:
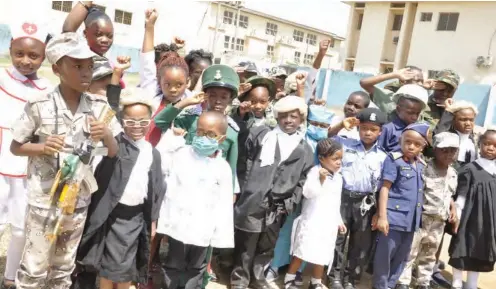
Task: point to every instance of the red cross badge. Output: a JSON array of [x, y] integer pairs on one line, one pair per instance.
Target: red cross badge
[[29, 28]]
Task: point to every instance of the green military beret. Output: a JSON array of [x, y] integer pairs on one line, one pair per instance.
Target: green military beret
[[221, 76], [449, 76], [257, 81]]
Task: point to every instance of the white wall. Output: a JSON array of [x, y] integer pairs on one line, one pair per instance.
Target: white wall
[[372, 34], [458, 50]]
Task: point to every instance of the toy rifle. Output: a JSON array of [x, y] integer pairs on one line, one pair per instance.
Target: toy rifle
[[68, 180]]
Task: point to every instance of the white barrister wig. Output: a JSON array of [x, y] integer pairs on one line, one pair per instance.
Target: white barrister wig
[[136, 96], [290, 103], [460, 105]]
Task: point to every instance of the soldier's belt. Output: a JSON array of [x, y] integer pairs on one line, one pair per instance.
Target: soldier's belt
[[355, 195]]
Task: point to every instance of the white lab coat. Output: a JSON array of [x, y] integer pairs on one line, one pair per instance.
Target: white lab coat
[[197, 208], [316, 229]]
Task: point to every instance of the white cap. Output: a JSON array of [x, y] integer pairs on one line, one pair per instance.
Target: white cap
[[446, 140], [413, 91], [290, 103], [28, 30], [68, 44]]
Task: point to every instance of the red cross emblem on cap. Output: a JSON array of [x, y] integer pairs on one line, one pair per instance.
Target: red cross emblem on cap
[[29, 28]]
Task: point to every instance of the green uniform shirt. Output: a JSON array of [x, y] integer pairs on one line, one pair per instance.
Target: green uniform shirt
[[188, 122]]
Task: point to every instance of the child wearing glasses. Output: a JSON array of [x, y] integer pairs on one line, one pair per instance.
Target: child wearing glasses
[[123, 212], [197, 212]]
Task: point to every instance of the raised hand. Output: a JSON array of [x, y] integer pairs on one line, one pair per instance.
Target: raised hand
[[151, 16], [123, 63], [350, 122], [324, 45]]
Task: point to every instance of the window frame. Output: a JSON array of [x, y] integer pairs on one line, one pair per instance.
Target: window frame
[[270, 51], [297, 59], [397, 24], [229, 18], [308, 59], [426, 17], [271, 28], [298, 35], [311, 39], [123, 19], [447, 26]]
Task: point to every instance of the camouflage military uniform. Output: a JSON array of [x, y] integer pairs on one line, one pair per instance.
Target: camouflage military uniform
[[437, 197], [44, 116]]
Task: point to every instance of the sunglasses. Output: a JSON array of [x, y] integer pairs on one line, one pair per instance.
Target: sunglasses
[[136, 123]]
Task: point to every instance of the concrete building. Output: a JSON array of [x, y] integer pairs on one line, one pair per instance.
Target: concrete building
[[432, 35], [259, 37], [265, 38]]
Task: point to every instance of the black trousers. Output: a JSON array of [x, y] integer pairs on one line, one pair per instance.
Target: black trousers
[[253, 253], [184, 264], [360, 241]]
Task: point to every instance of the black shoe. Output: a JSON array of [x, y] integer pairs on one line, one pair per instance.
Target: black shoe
[[349, 286], [291, 285], [299, 279], [315, 286], [336, 285], [439, 280], [402, 286]]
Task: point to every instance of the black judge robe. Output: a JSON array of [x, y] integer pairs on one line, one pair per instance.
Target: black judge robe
[[112, 175]]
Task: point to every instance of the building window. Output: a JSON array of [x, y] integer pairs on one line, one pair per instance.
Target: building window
[[308, 59], [243, 21], [426, 17], [360, 5], [388, 69], [298, 35], [311, 39], [271, 29], [229, 43], [123, 17], [332, 43], [397, 22], [270, 51], [297, 57], [228, 17], [447, 21], [64, 6], [359, 22]]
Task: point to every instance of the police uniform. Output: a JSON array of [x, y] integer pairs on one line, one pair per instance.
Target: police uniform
[[43, 116], [438, 193], [361, 171], [404, 210]]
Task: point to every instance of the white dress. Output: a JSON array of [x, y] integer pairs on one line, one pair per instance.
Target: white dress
[[315, 230], [15, 91]]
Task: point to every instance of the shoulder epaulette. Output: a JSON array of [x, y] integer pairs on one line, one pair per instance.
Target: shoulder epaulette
[[39, 97], [421, 160], [232, 124], [396, 155], [95, 97]]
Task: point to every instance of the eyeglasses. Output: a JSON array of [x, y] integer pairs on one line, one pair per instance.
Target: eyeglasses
[[136, 123], [209, 134]]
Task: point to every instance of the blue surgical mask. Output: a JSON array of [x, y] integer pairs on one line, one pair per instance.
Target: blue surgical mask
[[204, 146], [316, 133]]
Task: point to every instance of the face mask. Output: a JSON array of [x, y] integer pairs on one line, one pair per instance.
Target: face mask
[[316, 133], [204, 146]]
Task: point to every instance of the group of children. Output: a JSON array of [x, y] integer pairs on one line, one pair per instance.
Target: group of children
[[205, 156]]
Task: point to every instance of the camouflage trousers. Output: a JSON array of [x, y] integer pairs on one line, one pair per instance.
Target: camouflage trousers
[[45, 264], [425, 243]]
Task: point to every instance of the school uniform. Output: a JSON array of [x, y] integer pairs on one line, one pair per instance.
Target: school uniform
[[115, 243], [277, 165], [193, 226], [361, 170], [150, 83], [404, 210]]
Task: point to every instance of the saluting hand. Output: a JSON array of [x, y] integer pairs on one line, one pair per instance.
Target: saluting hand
[[350, 122], [244, 108], [123, 63], [53, 144], [197, 98], [406, 74], [244, 87]]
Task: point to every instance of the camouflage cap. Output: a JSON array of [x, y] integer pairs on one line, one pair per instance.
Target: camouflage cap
[[220, 75], [101, 67], [257, 81], [448, 76]]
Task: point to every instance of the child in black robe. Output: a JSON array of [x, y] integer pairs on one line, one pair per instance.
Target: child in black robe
[[473, 248]]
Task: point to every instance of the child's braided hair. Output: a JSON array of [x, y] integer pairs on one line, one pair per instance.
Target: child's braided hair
[[198, 55], [163, 47], [327, 147], [172, 59]]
